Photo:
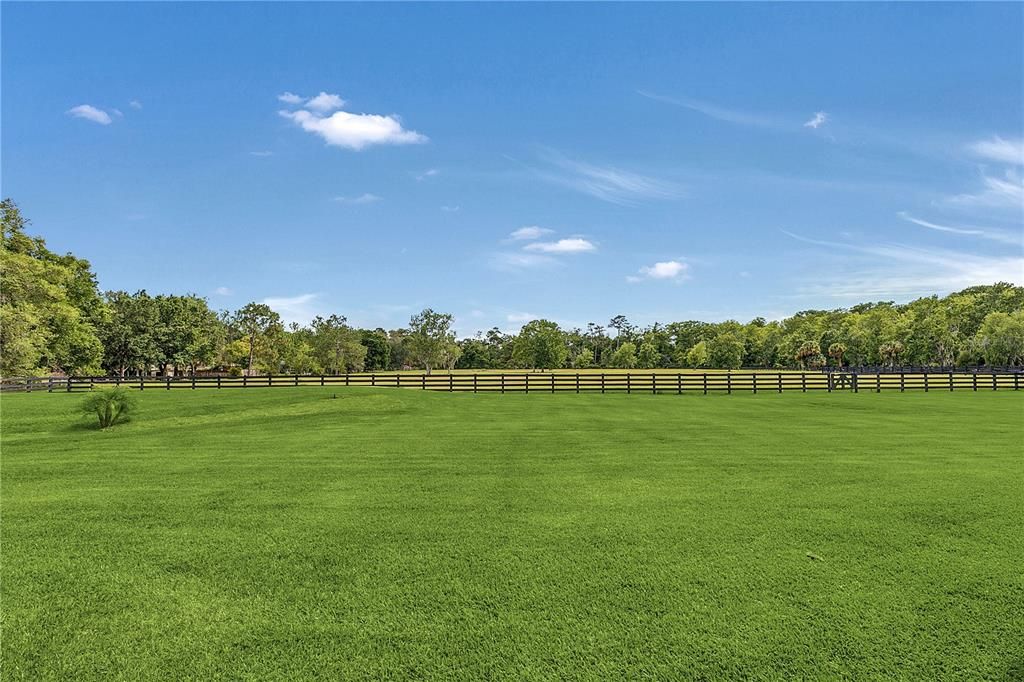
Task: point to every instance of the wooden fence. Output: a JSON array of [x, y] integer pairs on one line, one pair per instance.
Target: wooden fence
[[560, 382]]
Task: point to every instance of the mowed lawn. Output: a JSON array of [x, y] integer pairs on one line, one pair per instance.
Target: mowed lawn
[[284, 534]]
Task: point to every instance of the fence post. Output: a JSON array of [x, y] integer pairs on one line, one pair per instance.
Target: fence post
[[853, 378], [552, 382], [321, 379], [926, 381], [728, 383], [373, 379], [705, 383], [654, 383], [780, 382], [245, 381], [346, 378], [974, 381], [398, 380], [951, 381], [527, 378], [577, 382], [451, 379], [218, 381], [679, 383], [993, 381], [803, 382], [142, 383], [1016, 377], [167, 380], [423, 381], [503, 383], [629, 386], [49, 385], [270, 380], [602, 382], [753, 377], [68, 384], [193, 381], [296, 379], [474, 383]]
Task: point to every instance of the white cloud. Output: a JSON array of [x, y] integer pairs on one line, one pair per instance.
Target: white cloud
[[290, 98], [324, 102], [530, 232], [135, 104], [888, 271], [117, 112], [261, 153], [90, 113], [427, 174], [994, 235], [1007, 191], [451, 209], [571, 245], [607, 183], [998, 149], [512, 261], [362, 199], [354, 131], [223, 291], [819, 119], [293, 308], [671, 270], [713, 110]]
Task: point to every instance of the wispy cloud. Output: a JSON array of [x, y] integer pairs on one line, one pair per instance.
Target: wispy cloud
[[819, 119], [90, 113], [429, 173], [713, 110], [223, 291], [344, 129], [511, 261], [998, 149], [451, 209], [671, 270], [889, 271], [135, 104], [607, 183], [1005, 192], [571, 245], [261, 153], [994, 235], [530, 232], [300, 309], [360, 200]]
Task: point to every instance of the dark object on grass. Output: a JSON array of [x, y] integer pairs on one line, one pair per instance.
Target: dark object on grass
[[814, 557], [110, 405]]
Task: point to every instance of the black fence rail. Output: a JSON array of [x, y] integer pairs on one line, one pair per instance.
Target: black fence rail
[[561, 382], [923, 369]]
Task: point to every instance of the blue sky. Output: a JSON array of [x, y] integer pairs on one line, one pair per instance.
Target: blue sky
[[504, 162]]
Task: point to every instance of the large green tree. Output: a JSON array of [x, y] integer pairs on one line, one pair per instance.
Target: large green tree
[[540, 345], [430, 338]]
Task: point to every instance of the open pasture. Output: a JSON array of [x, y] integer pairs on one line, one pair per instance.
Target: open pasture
[[372, 533]]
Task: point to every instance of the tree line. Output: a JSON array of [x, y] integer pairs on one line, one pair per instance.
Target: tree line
[[53, 318]]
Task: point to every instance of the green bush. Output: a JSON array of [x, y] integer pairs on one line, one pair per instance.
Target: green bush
[[110, 405]]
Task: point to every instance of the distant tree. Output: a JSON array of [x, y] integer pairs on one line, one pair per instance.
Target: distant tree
[[809, 354], [836, 351], [726, 348], [129, 336], [698, 356], [648, 356], [49, 305], [1001, 338], [624, 356], [259, 325], [336, 346], [378, 350], [623, 329], [584, 359], [429, 338], [540, 345], [890, 352]]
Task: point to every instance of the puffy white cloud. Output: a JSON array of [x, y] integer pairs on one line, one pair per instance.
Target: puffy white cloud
[[998, 149], [290, 98], [529, 232], [571, 245], [354, 131], [90, 113], [819, 119], [324, 102], [671, 270]]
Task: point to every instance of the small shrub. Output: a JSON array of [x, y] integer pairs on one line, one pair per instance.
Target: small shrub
[[110, 405]]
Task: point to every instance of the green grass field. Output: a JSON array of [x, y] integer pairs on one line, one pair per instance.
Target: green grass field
[[281, 534]]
